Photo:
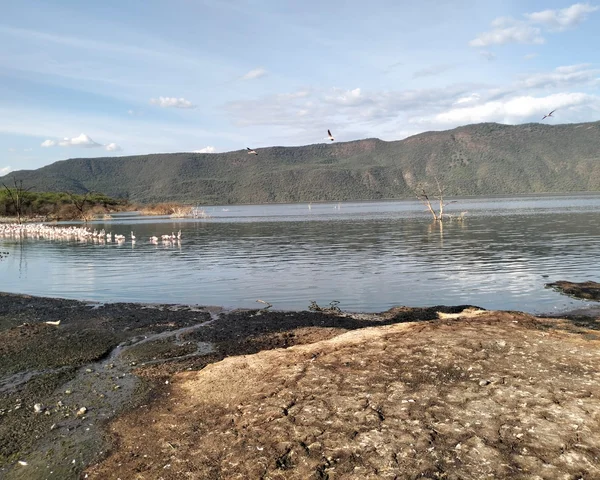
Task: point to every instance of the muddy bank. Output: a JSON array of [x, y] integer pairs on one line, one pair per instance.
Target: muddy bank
[[131, 370], [582, 290], [62, 356]]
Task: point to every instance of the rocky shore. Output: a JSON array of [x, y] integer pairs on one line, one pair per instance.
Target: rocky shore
[[164, 391]]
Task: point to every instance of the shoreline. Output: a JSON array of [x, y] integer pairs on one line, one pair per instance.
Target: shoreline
[[105, 361]]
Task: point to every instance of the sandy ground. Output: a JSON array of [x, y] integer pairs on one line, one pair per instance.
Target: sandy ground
[[177, 392]]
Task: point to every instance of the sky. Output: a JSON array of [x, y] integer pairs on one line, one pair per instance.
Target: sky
[[113, 77]]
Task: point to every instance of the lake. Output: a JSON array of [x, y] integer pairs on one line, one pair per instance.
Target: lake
[[369, 256]]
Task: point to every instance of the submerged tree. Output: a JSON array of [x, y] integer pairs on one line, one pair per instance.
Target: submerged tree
[[15, 196], [423, 196]]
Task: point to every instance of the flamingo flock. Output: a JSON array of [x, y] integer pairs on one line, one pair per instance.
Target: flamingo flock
[[40, 231]]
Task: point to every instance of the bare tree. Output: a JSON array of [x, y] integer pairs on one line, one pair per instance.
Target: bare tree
[[15, 195], [79, 204], [423, 196]]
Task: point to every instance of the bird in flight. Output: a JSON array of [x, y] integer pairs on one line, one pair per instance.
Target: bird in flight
[[549, 115], [251, 152], [330, 135]]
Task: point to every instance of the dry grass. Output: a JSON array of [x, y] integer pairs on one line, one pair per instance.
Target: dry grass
[[168, 208]]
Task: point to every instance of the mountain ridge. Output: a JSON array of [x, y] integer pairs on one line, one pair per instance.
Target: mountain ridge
[[477, 159]]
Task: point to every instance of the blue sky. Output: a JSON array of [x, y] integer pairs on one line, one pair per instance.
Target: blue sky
[[87, 79]]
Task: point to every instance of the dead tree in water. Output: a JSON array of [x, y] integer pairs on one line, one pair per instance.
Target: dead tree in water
[[423, 197], [15, 195]]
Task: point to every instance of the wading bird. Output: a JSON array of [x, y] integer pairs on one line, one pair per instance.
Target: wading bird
[[330, 135], [251, 152], [549, 115]]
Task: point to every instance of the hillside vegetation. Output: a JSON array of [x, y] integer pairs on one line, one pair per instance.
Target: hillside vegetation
[[480, 159]]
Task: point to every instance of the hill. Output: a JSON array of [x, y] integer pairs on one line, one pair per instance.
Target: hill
[[481, 159]]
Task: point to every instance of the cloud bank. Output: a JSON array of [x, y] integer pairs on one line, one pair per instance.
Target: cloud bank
[[82, 141], [529, 31]]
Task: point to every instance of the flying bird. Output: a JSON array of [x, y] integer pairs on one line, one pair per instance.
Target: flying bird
[[251, 152], [330, 135], [549, 115]]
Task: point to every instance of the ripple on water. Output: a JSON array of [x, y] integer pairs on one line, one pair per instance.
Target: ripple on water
[[373, 256]]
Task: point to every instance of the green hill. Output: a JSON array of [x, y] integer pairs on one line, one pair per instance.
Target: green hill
[[480, 159]]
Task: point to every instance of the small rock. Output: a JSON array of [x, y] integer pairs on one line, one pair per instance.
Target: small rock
[[88, 370], [68, 392], [37, 408], [483, 383], [21, 462], [82, 411]]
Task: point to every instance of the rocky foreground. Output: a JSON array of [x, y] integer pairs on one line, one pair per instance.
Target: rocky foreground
[[191, 392]]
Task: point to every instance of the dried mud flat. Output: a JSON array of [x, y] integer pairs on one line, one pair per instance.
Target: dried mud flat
[[196, 392], [500, 395]]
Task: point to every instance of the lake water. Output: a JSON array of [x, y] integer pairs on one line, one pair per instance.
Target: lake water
[[369, 256]]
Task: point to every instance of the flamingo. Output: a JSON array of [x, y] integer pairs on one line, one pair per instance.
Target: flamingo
[[330, 136], [251, 152], [132, 237], [549, 115]]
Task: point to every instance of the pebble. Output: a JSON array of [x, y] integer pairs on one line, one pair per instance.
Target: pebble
[[81, 411], [37, 408]]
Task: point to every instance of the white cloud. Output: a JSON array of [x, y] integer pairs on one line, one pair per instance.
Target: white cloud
[[473, 98], [208, 149], [256, 73], [565, 76], [347, 97], [514, 110], [83, 141], [508, 31], [563, 19], [5, 170], [359, 112], [28, 149], [12, 149], [172, 102], [112, 147], [530, 56], [130, 112]]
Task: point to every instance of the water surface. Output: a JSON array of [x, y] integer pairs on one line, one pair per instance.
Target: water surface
[[369, 256]]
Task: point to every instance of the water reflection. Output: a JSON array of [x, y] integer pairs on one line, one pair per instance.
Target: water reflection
[[368, 255]]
